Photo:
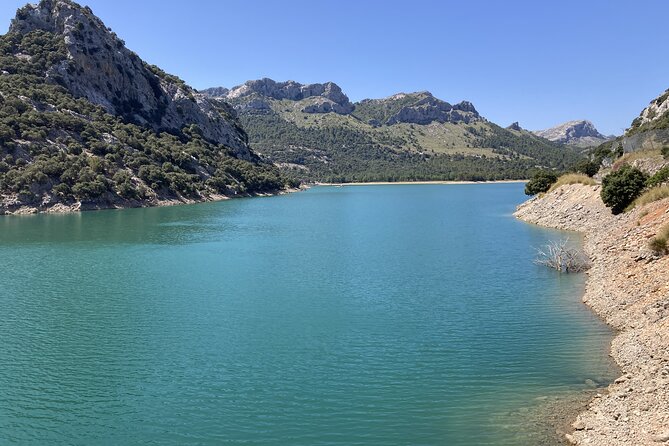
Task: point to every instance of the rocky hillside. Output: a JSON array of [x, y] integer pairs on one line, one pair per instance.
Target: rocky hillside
[[655, 116], [574, 133], [314, 133], [97, 66], [255, 95], [650, 130], [515, 126], [85, 123], [414, 108], [628, 287]]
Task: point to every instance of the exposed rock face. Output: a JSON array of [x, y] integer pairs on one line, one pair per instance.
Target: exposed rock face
[[628, 287], [579, 133], [327, 97], [655, 110], [650, 129], [423, 108], [101, 69], [515, 126], [216, 92]]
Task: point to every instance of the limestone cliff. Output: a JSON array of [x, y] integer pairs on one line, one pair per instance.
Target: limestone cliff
[[416, 108], [650, 130], [101, 69], [322, 98], [578, 133], [655, 112]]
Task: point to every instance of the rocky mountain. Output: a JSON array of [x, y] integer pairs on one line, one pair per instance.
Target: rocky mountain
[[656, 115], [415, 108], [515, 126], [650, 130], [85, 123], [318, 98], [576, 133], [314, 133], [100, 68]]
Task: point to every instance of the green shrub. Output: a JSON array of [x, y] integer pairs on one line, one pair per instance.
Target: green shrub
[[124, 185], [62, 190], [620, 188], [665, 152], [89, 190], [540, 182], [589, 168], [661, 176]]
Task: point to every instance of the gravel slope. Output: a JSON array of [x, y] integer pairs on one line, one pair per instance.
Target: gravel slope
[[628, 286]]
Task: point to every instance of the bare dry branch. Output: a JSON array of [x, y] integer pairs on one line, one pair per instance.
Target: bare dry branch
[[562, 257]]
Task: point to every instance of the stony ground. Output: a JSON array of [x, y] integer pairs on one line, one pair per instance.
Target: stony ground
[[628, 286]]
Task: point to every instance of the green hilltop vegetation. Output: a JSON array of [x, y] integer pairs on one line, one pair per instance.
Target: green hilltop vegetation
[[402, 138], [58, 148]]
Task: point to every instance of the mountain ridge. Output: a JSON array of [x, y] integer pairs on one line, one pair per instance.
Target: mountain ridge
[[405, 136], [580, 133]]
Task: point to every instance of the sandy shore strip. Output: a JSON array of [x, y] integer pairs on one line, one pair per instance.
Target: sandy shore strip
[[627, 286], [390, 183]]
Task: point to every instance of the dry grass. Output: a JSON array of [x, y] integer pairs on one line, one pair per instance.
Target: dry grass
[[651, 195], [572, 178], [660, 243], [630, 157]]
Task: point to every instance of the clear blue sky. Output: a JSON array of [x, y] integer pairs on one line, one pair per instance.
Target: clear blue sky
[[539, 62]]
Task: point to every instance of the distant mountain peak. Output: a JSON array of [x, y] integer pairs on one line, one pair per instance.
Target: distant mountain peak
[[515, 126], [327, 97], [579, 133], [415, 108]]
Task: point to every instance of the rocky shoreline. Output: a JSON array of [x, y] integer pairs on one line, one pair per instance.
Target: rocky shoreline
[[628, 286], [10, 206]]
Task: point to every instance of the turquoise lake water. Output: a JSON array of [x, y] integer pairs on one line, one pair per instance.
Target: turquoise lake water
[[371, 315]]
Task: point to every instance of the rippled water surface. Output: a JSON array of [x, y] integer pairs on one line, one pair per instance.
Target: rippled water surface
[[374, 315]]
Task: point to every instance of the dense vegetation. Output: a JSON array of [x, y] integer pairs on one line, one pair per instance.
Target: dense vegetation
[[659, 177], [353, 153], [53, 144], [540, 182], [622, 187]]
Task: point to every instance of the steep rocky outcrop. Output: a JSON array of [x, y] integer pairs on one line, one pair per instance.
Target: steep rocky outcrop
[[577, 133], [86, 124], [324, 98], [216, 92], [628, 287], [655, 112], [515, 126], [650, 130], [100, 68], [416, 108]]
